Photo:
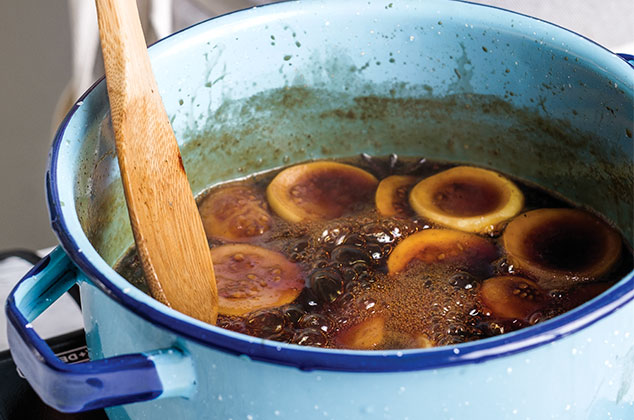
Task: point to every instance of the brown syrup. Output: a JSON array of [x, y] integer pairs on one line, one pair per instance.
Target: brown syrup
[[344, 264]]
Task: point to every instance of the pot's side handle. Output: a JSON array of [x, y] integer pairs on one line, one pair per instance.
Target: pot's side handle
[[628, 58], [95, 384]]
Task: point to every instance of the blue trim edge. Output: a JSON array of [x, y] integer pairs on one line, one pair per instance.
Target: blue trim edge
[[628, 58]]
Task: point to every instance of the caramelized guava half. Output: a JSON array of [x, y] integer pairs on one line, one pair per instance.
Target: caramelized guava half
[[250, 277], [511, 297], [236, 213], [559, 246], [319, 190], [442, 246], [366, 335], [467, 198], [391, 195]]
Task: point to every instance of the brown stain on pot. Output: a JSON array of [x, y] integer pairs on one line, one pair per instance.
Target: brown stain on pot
[[294, 124]]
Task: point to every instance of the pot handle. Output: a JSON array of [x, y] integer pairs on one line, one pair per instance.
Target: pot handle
[[628, 58], [84, 386]]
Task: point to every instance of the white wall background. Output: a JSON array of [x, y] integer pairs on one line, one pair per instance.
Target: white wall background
[[35, 63]]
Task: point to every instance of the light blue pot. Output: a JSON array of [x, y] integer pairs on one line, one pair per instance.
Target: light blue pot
[[162, 364]]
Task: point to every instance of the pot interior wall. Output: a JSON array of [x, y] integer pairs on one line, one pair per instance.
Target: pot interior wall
[[440, 80]]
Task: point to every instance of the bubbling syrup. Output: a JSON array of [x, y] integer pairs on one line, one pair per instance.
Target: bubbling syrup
[[344, 264]]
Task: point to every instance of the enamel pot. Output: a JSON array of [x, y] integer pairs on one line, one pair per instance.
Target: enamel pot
[[294, 81]]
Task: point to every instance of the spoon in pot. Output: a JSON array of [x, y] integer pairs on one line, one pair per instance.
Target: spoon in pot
[[167, 228]]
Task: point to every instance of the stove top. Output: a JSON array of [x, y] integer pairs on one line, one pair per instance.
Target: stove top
[[19, 402]]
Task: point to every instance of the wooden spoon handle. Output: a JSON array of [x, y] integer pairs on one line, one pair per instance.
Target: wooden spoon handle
[[168, 231]]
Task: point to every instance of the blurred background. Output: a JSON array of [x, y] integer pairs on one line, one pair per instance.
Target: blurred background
[[41, 77]]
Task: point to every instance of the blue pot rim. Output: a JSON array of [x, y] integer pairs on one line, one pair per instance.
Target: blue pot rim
[[311, 358]]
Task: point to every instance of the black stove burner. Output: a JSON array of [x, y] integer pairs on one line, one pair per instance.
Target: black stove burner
[[28, 256], [18, 401]]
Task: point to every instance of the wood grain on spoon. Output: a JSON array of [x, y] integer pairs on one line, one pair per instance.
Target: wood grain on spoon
[[165, 221]]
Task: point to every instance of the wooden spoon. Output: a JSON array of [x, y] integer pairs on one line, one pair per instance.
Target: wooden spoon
[[167, 228]]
